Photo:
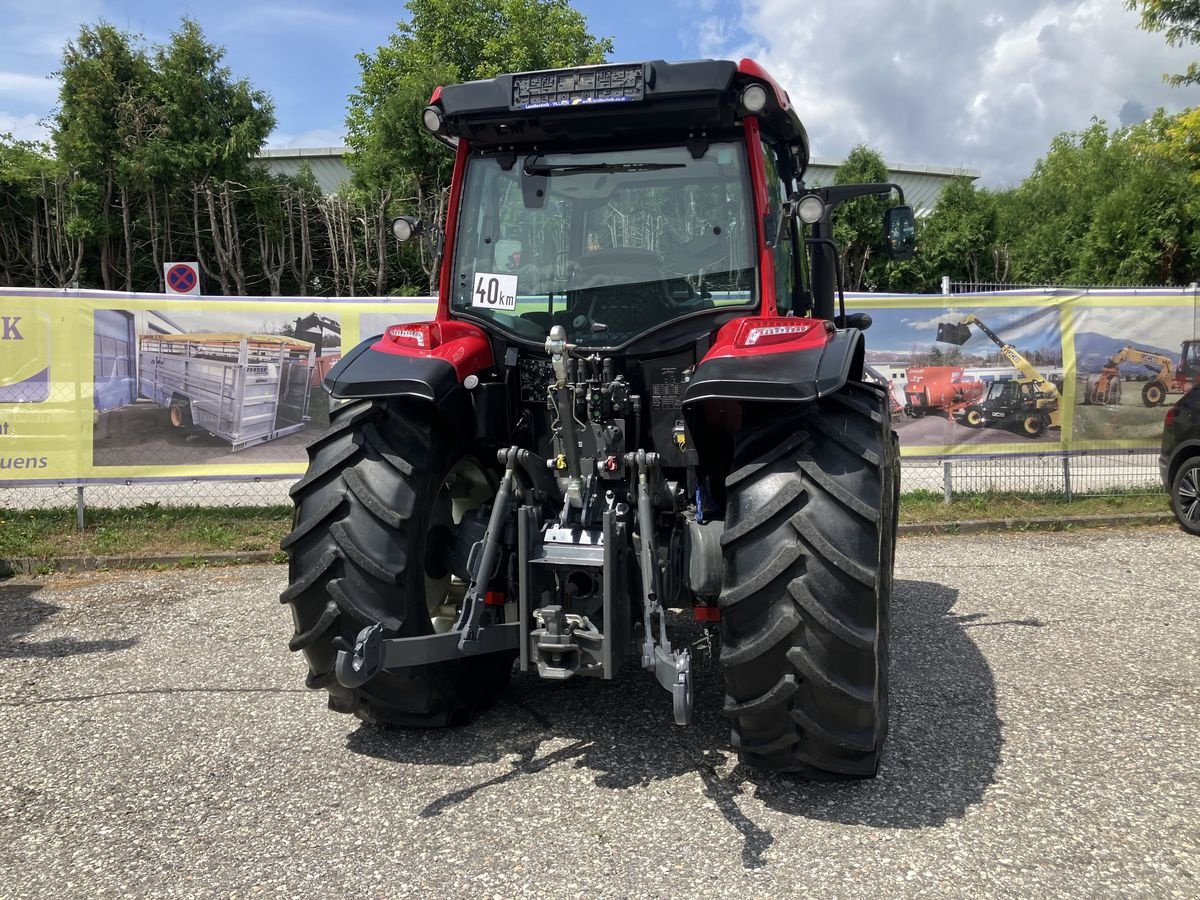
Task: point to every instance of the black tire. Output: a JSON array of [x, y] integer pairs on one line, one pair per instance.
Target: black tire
[[809, 545], [973, 417], [1185, 495], [1153, 394], [357, 557], [1034, 425]]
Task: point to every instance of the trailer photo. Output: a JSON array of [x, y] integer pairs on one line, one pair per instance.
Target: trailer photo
[[210, 388]]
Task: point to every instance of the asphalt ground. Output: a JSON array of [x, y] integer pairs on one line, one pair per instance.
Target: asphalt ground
[[157, 742]]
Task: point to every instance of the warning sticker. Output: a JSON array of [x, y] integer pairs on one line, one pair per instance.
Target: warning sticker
[[493, 291]]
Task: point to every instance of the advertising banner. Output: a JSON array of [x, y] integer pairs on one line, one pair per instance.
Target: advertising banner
[[103, 386], [1032, 371]]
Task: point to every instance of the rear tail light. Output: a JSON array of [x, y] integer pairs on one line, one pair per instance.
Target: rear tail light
[[422, 337], [1169, 419], [766, 332]]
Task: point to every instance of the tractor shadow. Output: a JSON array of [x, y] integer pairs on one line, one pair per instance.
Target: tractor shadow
[[21, 613], [943, 748]]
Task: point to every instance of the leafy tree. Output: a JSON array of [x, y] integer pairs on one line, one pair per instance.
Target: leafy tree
[[1147, 229], [1180, 20], [443, 42], [858, 224], [1048, 215], [105, 88]]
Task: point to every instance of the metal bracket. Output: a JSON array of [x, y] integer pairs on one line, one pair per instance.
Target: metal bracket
[[373, 654], [672, 669]]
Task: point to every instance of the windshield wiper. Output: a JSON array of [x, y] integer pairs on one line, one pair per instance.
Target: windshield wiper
[[583, 168]]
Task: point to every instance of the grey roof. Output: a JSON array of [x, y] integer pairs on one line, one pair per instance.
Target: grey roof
[[326, 163], [921, 183]]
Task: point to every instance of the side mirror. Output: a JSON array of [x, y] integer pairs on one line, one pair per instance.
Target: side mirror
[[900, 232], [405, 228]]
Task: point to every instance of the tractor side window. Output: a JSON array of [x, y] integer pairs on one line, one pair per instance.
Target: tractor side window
[[785, 250]]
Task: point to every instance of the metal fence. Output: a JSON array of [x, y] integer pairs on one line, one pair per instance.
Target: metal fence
[[987, 287], [1066, 475]]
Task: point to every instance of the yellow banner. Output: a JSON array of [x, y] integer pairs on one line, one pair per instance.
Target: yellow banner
[[98, 387], [102, 387]]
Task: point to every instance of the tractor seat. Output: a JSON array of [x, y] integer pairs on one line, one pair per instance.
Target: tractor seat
[[625, 289]]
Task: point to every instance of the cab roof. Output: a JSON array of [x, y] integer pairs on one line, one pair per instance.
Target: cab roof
[[618, 103]]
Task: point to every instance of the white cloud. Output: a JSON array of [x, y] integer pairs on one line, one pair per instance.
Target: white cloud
[[35, 88], [24, 127], [947, 83], [270, 19]]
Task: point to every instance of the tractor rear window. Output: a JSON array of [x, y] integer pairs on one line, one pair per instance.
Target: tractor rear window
[[609, 245]]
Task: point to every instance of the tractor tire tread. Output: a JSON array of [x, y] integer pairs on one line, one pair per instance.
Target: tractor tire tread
[[809, 543]]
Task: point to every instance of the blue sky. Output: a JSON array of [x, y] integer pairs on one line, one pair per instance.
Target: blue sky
[[941, 82]]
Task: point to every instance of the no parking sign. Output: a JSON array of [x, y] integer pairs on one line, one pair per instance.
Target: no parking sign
[[182, 278]]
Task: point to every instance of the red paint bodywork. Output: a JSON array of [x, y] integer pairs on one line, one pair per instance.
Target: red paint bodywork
[[463, 345], [446, 276], [759, 188], [754, 70]]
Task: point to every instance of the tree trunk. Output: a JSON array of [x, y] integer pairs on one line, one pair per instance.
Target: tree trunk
[[127, 230]]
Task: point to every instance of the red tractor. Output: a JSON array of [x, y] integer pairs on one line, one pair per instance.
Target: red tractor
[[939, 389], [637, 395]]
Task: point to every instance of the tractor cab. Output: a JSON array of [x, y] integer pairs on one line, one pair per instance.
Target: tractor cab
[[623, 201]]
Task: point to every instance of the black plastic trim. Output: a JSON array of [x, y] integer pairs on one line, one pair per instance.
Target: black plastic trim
[[364, 373], [796, 376]]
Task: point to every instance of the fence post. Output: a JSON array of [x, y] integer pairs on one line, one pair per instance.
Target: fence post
[[1067, 477], [947, 480], [79, 508], [946, 284]]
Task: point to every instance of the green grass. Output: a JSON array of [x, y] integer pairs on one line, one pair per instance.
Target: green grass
[[154, 530], [149, 530], [921, 507]]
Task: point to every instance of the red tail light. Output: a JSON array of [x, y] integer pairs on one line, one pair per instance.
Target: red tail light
[[423, 337], [766, 332], [1169, 419]]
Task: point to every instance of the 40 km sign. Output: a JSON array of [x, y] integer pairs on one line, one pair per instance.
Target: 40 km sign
[[182, 278], [494, 291]]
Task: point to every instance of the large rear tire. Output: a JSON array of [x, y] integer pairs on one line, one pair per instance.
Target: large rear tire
[[809, 545], [376, 484]]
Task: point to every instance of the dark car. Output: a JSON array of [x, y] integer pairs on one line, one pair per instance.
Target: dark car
[[1179, 462]]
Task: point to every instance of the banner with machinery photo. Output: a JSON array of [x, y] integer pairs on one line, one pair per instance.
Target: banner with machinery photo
[[103, 387]]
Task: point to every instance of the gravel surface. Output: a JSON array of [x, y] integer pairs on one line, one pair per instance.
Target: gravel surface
[[157, 741]]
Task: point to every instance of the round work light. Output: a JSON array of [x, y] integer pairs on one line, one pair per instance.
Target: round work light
[[432, 119], [811, 209], [754, 98]]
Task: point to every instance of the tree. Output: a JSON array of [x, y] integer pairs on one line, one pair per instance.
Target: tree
[[858, 224], [443, 42], [105, 87], [1180, 20], [959, 237]]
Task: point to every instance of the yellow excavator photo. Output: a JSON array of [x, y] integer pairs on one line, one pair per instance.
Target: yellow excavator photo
[[1029, 404], [1105, 388]]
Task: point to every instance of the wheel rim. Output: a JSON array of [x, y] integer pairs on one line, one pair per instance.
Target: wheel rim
[[176, 416], [1189, 496], [465, 487], [1031, 425], [1154, 395], [974, 417]]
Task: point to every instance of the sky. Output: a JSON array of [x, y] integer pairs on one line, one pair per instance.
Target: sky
[[958, 83]]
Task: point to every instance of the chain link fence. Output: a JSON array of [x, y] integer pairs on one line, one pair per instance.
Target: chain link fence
[[1067, 475]]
